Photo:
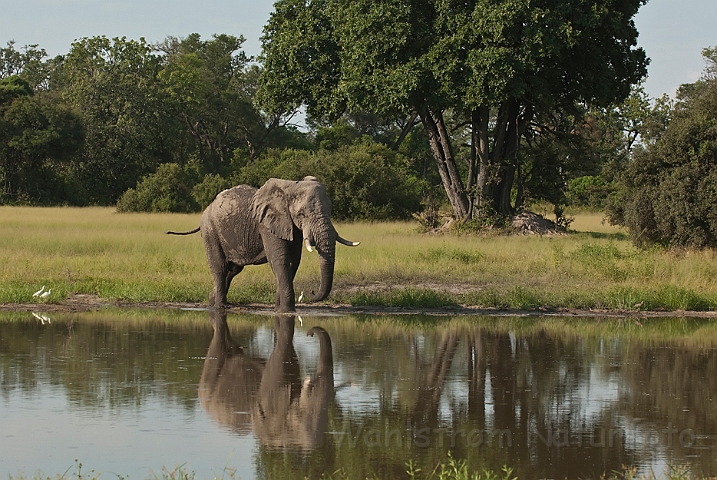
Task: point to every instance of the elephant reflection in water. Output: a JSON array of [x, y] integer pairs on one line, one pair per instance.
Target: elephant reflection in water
[[239, 390]]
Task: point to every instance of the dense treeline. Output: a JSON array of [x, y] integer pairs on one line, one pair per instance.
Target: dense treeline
[[470, 122], [165, 127], [98, 119]]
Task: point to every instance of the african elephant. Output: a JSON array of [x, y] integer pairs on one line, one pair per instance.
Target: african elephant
[[240, 391], [246, 226]]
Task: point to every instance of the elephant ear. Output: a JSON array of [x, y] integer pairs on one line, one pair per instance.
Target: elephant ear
[[270, 208]]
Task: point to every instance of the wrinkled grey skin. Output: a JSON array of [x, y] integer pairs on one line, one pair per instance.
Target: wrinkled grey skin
[[245, 226], [241, 392]]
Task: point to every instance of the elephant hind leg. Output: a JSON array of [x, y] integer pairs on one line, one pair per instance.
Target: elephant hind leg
[[222, 280], [233, 270], [218, 266]]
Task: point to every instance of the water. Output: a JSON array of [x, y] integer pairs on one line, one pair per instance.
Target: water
[[129, 393]]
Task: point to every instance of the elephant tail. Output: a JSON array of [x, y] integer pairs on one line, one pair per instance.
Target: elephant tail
[[184, 233]]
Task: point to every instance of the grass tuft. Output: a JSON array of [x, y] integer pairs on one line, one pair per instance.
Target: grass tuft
[[404, 297]]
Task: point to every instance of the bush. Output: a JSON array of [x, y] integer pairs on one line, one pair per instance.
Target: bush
[[588, 191], [169, 189], [667, 193], [366, 180], [205, 191]]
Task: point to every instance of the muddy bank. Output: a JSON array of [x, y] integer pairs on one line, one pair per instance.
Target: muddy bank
[[84, 303]]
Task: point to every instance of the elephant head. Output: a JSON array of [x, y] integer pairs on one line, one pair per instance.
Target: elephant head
[[288, 209]]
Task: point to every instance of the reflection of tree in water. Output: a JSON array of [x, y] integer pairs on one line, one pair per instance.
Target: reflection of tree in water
[[669, 389], [522, 407], [490, 397], [102, 363], [543, 399]]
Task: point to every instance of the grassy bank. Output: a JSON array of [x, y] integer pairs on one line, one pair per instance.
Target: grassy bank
[[451, 469], [128, 257]]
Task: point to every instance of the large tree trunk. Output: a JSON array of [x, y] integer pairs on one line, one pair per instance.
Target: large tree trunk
[[480, 136], [443, 154], [493, 166], [499, 166]]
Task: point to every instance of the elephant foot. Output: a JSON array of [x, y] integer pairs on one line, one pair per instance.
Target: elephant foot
[[218, 305], [285, 310]]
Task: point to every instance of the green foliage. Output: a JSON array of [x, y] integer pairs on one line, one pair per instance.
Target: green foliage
[[169, 189], [38, 138], [589, 191], [12, 88], [503, 78], [209, 91], [27, 64], [667, 192], [365, 180], [113, 85], [205, 191]]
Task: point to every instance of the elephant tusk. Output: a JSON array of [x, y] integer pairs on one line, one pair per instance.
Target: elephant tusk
[[308, 245], [346, 242]]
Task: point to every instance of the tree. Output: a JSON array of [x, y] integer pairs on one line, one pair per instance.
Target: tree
[[212, 89], [667, 191], [27, 64], [500, 68], [113, 85], [38, 138]]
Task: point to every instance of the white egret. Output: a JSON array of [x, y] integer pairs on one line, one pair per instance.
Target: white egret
[[301, 297], [46, 294], [43, 318], [39, 292]]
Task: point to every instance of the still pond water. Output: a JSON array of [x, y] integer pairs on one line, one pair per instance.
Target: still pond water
[[130, 392]]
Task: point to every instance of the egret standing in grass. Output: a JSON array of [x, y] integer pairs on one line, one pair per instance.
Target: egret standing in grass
[[39, 292], [301, 297], [46, 294]]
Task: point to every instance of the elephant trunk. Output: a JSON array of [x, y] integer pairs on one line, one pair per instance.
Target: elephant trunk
[[324, 236], [326, 265], [326, 355]]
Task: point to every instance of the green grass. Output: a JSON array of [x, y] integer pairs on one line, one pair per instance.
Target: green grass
[[128, 257], [451, 469]]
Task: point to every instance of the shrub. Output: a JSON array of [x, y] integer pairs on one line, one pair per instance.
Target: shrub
[[205, 191], [588, 191], [366, 180], [169, 189], [667, 193]]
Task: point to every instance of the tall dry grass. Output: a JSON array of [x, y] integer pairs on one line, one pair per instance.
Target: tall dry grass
[[129, 257]]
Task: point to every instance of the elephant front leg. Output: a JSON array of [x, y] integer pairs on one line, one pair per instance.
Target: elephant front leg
[[284, 268], [284, 301], [283, 257]]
